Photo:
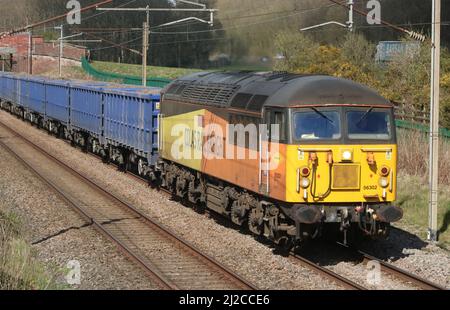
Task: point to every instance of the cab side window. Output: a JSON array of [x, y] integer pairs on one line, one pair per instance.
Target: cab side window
[[279, 118]]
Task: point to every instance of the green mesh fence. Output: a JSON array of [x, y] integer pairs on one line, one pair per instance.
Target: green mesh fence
[[421, 127], [121, 78]]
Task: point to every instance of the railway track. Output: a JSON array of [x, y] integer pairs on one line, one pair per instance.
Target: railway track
[[346, 283], [394, 271], [324, 272], [387, 268], [365, 258], [328, 274], [168, 259]]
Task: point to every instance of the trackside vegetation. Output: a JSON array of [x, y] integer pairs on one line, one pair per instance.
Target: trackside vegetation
[[19, 267], [405, 80]]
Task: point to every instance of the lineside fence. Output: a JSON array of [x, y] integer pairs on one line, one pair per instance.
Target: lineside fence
[[121, 78], [408, 117]]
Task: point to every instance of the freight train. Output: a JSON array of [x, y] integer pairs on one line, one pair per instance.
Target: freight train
[[289, 157]]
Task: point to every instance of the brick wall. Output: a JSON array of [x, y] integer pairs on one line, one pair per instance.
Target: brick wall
[[52, 49], [20, 43]]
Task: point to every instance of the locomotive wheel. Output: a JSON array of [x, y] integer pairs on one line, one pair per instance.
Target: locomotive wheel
[[237, 214], [284, 245], [255, 221], [106, 158]]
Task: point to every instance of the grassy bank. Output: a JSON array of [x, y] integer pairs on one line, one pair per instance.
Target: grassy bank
[[19, 267], [167, 72], [71, 73], [414, 155], [413, 183], [136, 70], [413, 198]]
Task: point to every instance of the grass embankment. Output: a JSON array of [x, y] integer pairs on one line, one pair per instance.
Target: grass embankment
[[166, 72], [413, 183], [136, 70], [19, 267], [70, 73]]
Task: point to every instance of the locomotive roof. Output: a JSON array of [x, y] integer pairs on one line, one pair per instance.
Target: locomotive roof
[[252, 91]]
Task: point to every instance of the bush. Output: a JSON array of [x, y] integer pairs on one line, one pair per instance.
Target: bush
[[413, 149], [406, 79]]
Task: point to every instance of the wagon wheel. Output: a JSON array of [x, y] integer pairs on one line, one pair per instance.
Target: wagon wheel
[[141, 167]]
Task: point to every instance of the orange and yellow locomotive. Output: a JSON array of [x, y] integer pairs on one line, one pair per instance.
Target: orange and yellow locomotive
[[291, 156]]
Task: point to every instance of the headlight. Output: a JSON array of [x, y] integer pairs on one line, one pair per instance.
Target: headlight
[[384, 182], [347, 155], [305, 183]]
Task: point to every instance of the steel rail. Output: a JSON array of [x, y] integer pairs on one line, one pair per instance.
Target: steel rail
[[401, 274], [395, 271], [244, 284], [327, 273]]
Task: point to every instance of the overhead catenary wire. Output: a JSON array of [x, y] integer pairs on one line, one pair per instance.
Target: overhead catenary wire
[[296, 12], [246, 25], [446, 23], [47, 21], [101, 13], [242, 17], [40, 24], [121, 45], [213, 30], [411, 33]]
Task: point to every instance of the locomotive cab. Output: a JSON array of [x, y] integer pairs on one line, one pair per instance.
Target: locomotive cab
[[342, 166]]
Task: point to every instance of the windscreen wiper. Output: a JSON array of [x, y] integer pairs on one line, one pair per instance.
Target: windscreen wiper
[[365, 115], [323, 115]]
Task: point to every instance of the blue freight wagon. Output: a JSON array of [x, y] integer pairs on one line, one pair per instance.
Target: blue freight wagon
[[34, 98], [21, 92], [130, 118], [3, 76], [14, 88], [58, 101], [8, 87], [117, 122], [3, 91], [86, 107]]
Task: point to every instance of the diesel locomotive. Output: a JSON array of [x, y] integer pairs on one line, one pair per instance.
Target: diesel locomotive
[[331, 165], [290, 157]]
